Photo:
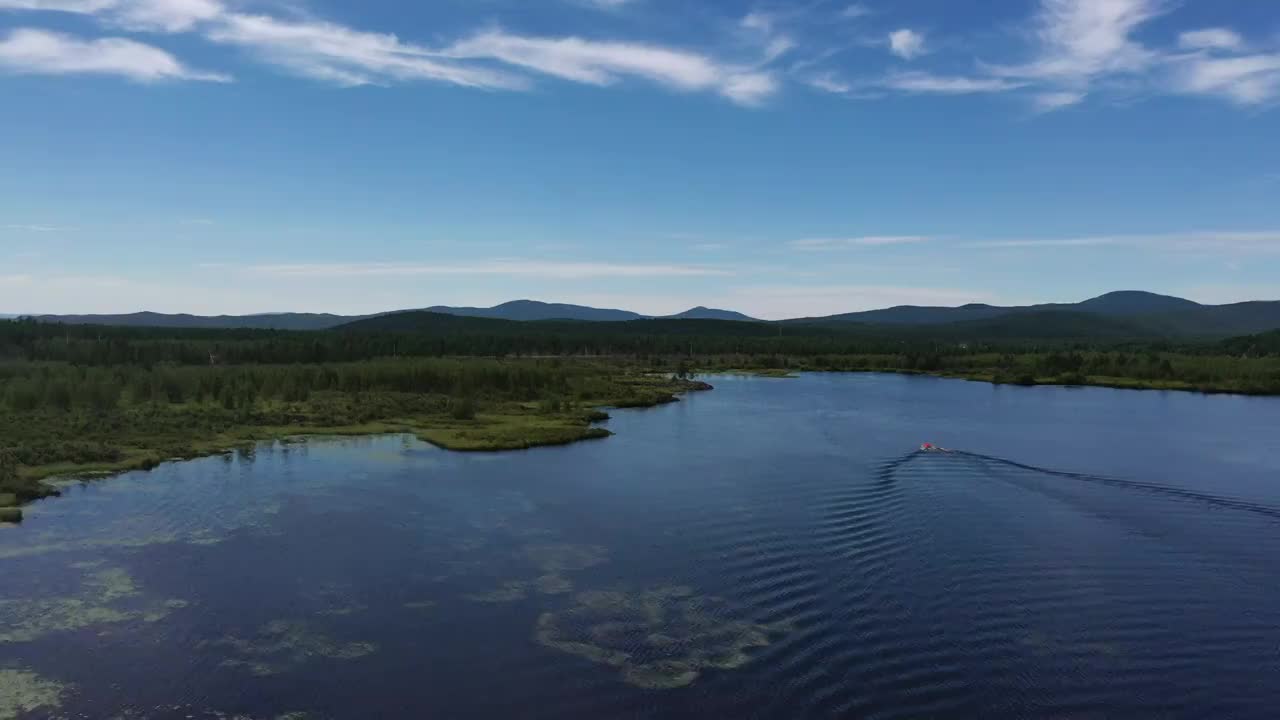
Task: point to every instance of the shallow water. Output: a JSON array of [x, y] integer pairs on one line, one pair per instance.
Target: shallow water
[[772, 549]]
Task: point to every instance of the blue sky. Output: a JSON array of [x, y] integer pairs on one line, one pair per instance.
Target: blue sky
[[782, 159]]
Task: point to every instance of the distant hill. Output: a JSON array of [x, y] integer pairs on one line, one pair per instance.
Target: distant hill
[[267, 321], [1128, 303], [912, 315], [528, 310], [1144, 314], [705, 313], [414, 321], [1152, 313]]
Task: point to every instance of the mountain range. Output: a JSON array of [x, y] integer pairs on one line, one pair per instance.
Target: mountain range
[[1122, 313], [521, 310]]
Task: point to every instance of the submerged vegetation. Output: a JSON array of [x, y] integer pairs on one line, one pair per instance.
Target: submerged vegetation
[[22, 691], [282, 645], [661, 638], [106, 597]]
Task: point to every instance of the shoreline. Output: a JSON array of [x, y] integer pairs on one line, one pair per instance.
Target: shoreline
[[991, 378], [504, 428]]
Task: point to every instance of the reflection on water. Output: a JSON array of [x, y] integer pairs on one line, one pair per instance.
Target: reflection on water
[[766, 550]]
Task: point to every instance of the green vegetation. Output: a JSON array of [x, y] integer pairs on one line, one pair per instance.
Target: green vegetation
[[62, 418], [22, 691]]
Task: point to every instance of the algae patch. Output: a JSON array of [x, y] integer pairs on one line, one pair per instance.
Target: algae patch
[[510, 591], [659, 638], [553, 558], [108, 596], [284, 645], [22, 691]]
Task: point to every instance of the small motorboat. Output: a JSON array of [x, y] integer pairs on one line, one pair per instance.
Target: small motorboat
[[930, 447]]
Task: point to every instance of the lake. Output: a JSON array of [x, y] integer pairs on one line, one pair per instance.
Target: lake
[[771, 549]]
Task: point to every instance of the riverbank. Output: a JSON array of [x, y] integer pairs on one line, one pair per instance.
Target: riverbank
[[81, 444]]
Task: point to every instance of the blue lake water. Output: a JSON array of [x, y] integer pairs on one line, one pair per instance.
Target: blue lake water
[[771, 549]]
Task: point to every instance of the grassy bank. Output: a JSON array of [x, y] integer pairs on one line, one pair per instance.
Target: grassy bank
[[479, 405]]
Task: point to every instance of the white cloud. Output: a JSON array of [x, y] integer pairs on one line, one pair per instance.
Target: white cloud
[[862, 241], [513, 267], [1048, 101], [1079, 47], [40, 52], [1210, 39], [1082, 40], [167, 15], [828, 82], [338, 54], [605, 63], [906, 43], [854, 11], [146, 15], [72, 6], [922, 82], [759, 21], [1245, 80]]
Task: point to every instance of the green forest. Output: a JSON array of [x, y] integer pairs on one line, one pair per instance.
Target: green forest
[[76, 399]]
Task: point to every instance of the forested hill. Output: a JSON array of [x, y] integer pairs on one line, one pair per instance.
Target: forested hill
[[1147, 313], [529, 310]]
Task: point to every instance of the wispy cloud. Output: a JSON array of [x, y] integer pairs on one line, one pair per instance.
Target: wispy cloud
[[906, 43], [604, 63], [40, 52], [923, 82], [604, 4], [1210, 39], [36, 228], [1080, 40], [1266, 241], [855, 11], [1075, 49], [335, 53], [1082, 43], [1045, 102], [1244, 80], [347, 56], [143, 15], [512, 267], [819, 244]]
